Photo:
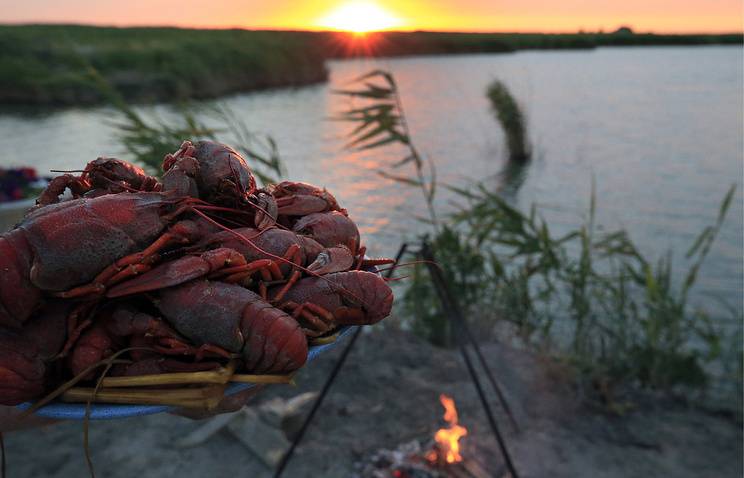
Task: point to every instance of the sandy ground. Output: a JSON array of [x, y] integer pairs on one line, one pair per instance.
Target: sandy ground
[[387, 395]]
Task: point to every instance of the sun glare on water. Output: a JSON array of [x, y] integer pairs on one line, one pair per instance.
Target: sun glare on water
[[360, 17]]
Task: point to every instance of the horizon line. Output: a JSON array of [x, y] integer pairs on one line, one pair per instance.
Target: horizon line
[[328, 30]]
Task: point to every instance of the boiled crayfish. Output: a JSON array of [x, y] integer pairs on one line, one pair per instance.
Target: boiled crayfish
[[196, 272]]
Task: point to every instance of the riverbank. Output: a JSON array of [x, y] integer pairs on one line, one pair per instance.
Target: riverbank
[[387, 395], [46, 64]]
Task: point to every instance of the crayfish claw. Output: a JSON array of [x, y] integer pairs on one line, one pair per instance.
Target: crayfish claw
[[332, 259]]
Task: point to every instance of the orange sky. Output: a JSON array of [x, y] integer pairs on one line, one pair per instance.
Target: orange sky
[[678, 16]]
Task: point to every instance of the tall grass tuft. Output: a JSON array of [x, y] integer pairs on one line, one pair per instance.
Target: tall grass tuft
[[381, 121], [512, 120]]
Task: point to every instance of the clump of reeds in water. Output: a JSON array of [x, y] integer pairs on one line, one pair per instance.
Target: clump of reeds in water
[[512, 120]]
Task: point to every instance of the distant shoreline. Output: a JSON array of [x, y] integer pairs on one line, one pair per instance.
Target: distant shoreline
[[45, 65], [332, 31]]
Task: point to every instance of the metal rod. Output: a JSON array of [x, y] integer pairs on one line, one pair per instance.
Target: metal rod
[[2, 456], [495, 385], [437, 276], [453, 313], [305, 425], [489, 414], [327, 385]]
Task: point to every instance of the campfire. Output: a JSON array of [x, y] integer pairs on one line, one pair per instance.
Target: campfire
[[447, 447], [441, 457]]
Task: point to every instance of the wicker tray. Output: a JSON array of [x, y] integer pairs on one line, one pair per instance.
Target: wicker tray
[[103, 411]]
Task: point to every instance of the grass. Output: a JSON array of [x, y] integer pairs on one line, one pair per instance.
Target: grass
[[589, 297], [39, 64], [593, 297], [512, 120]]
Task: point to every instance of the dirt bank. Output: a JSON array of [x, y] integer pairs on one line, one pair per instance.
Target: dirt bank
[[388, 394]]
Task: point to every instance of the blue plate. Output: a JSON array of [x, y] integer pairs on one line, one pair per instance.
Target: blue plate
[[104, 411]]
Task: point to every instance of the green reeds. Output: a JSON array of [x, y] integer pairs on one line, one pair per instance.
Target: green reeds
[[148, 138]]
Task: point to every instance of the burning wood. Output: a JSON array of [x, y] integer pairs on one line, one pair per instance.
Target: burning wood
[[447, 447], [441, 458]]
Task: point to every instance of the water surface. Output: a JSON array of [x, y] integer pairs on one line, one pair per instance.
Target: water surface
[[659, 130]]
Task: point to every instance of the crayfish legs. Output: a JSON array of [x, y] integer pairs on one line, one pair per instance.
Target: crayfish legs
[[101, 176], [237, 320]]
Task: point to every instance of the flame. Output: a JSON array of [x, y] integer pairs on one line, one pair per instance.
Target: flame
[[448, 439]]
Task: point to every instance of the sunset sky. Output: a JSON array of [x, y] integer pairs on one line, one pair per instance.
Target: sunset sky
[[678, 16]]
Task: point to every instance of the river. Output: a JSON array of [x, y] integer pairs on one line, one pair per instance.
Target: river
[[658, 129]]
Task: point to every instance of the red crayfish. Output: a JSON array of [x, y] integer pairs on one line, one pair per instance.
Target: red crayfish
[[181, 274]]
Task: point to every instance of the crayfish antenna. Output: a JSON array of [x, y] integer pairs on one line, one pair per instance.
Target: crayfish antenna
[[401, 264]]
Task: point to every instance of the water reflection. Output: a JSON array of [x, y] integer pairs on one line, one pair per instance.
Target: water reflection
[[511, 178]]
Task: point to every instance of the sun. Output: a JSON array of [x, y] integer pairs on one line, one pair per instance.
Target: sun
[[360, 17]]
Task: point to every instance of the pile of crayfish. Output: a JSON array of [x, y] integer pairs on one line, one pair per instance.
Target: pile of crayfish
[[198, 277]]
